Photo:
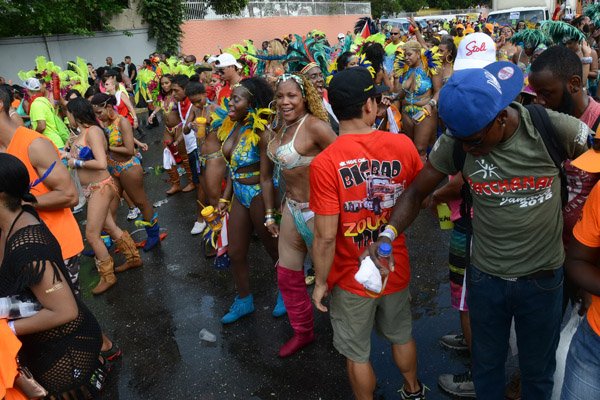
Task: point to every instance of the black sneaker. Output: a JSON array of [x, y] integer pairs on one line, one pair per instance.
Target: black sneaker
[[420, 395], [454, 342], [460, 385]]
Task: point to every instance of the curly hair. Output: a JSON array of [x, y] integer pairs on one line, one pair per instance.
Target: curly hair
[[314, 101]]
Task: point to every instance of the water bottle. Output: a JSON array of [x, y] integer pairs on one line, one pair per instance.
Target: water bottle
[[13, 308], [384, 252]]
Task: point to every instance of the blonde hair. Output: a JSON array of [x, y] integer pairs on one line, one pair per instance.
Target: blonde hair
[[412, 45]]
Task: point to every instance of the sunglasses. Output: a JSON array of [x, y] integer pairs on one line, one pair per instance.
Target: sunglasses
[[395, 33], [477, 142]]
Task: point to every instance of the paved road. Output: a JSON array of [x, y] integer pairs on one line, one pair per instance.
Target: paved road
[[156, 312]]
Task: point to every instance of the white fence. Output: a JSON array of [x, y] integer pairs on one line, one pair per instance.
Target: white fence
[[195, 10]]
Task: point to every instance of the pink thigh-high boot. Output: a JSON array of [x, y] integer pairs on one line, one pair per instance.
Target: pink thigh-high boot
[[299, 309]]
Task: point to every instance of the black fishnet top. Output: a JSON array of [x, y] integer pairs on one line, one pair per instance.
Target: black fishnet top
[[63, 358]]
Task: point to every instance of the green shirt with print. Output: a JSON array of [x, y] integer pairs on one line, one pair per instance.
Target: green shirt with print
[[391, 48], [517, 216], [42, 109]]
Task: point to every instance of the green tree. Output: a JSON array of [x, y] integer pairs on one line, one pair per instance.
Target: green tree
[[381, 8], [51, 17], [412, 5], [165, 18], [228, 7]]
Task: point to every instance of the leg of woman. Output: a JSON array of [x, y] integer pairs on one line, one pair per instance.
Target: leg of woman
[[408, 125], [290, 278], [124, 243], [133, 183], [257, 214], [173, 174], [239, 230], [114, 203], [96, 215], [424, 131]]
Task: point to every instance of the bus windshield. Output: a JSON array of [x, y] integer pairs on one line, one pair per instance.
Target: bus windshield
[[531, 17]]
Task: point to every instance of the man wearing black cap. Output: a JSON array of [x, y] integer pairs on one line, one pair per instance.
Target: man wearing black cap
[[353, 186], [517, 254]]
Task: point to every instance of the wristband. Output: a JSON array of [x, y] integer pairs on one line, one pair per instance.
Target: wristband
[[11, 325], [269, 221], [586, 60], [78, 163], [222, 200], [388, 234], [392, 228]]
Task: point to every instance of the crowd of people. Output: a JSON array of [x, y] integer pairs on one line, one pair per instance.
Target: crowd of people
[[327, 152]]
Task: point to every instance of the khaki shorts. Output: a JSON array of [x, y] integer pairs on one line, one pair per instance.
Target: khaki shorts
[[353, 318]]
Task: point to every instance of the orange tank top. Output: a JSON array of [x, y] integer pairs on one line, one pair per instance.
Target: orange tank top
[[61, 222]]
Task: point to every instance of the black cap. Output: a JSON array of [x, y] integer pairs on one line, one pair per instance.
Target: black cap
[[353, 86]]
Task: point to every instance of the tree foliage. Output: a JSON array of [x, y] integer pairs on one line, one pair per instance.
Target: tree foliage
[[381, 8], [228, 7], [51, 17], [165, 18]]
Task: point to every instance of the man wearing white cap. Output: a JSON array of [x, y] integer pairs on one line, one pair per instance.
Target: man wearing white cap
[[41, 113], [229, 69]]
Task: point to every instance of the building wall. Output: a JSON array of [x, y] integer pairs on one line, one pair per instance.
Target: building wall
[[128, 19], [19, 53], [202, 37]]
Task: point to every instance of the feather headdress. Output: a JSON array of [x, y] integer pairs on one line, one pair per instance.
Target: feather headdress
[[593, 12], [431, 61], [530, 38], [561, 32]]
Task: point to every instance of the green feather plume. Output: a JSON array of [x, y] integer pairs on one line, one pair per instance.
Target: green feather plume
[[530, 38], [593, 12], [561, 32]]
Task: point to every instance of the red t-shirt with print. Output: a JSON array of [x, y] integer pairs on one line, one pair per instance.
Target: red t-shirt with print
[[360, 177]]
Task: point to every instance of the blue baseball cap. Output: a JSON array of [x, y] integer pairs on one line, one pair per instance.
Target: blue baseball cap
[[472, 98]]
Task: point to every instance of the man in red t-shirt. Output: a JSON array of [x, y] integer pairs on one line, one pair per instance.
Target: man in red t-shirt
[[354, 184]]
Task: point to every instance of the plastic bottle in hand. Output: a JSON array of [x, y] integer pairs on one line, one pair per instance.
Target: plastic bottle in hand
[[13, 308], [384, 252]]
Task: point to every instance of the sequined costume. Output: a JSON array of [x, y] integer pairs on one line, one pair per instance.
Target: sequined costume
[[115, 139]]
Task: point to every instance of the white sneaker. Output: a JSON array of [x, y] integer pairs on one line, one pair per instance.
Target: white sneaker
[[133, 213], [79, 207], [198, 228]]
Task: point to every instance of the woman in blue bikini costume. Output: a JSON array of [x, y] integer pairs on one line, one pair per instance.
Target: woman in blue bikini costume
[[240, 133], [124, 166], [88, 158], [418, 69], [304, 132]]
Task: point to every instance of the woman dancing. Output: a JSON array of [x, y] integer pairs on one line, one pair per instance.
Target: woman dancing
[[61, 342], [124, 166], [420, 85], [240, 134], [168, 104], [88, 158], [305, 132]]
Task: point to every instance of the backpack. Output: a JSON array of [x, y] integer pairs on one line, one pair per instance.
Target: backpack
[[541, 122]]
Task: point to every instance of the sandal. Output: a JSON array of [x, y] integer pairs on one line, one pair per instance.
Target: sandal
[[112, 354]]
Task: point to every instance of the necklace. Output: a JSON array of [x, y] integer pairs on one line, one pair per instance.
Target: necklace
[[286, 126]]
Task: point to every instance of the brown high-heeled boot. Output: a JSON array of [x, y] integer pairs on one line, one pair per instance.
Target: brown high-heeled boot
[[127, 247], [174, 179], [107, 275]]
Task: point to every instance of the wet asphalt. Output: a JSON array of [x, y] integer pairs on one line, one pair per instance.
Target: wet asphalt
[[155, 314]]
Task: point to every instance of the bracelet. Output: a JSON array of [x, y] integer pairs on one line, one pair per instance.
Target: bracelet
[[222, 200], [391, 228], [78, 163], [11, 325], [432, 103], [269, 221], [388, 234], [269, 215], [586, 60], [271, 210]]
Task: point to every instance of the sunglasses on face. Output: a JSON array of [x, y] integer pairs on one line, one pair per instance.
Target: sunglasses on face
[[479, 141], [395, 33]]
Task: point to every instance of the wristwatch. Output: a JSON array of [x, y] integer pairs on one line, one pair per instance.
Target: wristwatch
[[432, 103]]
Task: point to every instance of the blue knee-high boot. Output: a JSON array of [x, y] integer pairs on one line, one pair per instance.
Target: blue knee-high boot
[[153, 232]]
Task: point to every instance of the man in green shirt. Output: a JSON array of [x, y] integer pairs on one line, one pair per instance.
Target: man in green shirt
[[41, 112], [517, 252], [396, 42]]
